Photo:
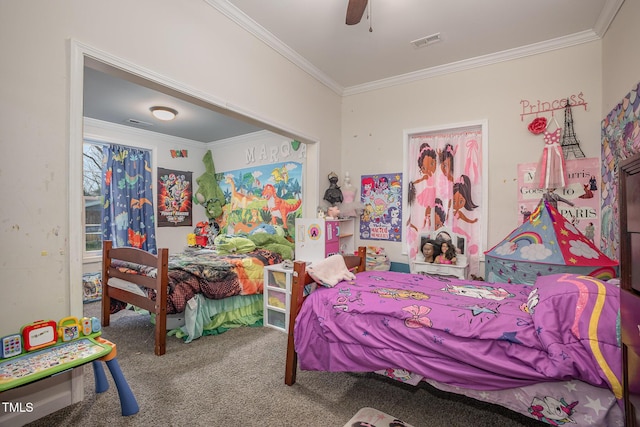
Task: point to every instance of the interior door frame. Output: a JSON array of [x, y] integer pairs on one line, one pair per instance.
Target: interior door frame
[[78, 53]]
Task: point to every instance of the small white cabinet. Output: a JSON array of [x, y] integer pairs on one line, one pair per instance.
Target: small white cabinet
[[318, 238], [277, 296]]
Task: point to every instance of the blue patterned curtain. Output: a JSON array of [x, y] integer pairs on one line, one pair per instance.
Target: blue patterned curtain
[[128, 215]]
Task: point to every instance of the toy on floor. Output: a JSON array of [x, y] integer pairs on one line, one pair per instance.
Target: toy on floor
[[56, 347], [34, 365]]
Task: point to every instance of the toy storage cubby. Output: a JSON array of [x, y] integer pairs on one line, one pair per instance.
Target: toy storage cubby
[[277, 294], [318, 238]]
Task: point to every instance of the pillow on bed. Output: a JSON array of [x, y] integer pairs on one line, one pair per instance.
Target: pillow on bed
[[330, 271]]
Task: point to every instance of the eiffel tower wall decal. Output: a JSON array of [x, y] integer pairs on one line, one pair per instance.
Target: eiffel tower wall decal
[[570, 144]]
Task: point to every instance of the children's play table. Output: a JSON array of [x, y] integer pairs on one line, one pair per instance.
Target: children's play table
[[36, 365]]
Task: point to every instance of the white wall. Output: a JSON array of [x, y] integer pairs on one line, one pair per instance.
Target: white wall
[[620, 58], [256, 149], [196, 46], [187, 42], [373, 122]]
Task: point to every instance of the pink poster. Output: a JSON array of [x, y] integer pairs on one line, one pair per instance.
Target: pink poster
[[579, 201]]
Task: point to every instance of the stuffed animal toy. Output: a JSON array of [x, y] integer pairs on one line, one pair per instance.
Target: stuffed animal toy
[[209, 193]]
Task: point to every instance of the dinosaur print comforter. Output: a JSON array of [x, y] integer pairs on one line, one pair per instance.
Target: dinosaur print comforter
[[474, 335], [208, 273]]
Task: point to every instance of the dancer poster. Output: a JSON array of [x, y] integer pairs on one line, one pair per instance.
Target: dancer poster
[[381, 196], [583, 192], [174, 198]]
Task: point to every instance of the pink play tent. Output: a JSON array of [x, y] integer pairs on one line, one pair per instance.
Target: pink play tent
[[546, 244]]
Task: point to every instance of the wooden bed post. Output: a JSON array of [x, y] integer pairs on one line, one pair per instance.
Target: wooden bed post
[[161, 302], [106, 299], [300, 278], [362, 254], [297, 295], [159, 283]]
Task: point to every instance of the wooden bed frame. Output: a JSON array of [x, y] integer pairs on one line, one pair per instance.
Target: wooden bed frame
[[358, 263], [355, 263], [158, 283]]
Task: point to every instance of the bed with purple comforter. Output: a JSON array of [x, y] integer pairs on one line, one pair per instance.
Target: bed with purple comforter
[[482, 337]]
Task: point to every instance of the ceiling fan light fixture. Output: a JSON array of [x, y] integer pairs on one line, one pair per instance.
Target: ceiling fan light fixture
[[425, 41], [163, 113], [355, 10]]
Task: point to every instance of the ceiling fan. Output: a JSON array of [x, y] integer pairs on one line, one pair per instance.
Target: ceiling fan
[[355, 10]]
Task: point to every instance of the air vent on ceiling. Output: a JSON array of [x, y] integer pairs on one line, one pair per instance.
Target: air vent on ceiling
[[138, 122], [426, 41]]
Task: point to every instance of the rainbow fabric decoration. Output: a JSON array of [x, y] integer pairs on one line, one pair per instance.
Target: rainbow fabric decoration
[[546, 244]]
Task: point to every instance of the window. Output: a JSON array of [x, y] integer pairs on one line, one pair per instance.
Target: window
[[92, 189]]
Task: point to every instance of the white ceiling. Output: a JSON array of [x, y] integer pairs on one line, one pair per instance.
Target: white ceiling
[[352, 59]]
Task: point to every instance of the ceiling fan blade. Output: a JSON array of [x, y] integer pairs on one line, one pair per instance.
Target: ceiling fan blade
[[355, 10]]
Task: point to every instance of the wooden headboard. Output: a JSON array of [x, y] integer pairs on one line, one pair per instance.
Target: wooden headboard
[[355, 263]]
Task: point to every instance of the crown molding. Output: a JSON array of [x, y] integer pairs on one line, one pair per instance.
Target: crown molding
[[251, 26], [480, 61], [604, 20], [609, 11]]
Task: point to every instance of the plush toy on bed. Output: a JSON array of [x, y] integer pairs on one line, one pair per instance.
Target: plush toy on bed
[[209, 193], [274, 243], [229, 244]]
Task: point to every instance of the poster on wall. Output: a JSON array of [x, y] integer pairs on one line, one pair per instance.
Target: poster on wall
[[620, 140], [174, 198], [583, 191], [266, 198], [381, 196]]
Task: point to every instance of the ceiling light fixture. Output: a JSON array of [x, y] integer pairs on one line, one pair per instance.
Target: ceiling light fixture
[[163, 113]]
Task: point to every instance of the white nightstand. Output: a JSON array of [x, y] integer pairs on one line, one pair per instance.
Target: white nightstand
[[459, 271], [277, 295]]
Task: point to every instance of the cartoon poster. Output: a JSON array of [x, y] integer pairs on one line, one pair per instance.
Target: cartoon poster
[[579, 201], [262, 198], [174, 198], [381, 196]]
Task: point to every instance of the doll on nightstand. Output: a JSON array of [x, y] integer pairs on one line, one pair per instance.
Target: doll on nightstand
[[448, 255], [429, 251]]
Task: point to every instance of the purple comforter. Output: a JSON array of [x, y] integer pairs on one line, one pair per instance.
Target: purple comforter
[[478, 335]]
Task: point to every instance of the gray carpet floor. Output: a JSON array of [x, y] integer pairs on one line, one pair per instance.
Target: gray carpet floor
[[237, 379]]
